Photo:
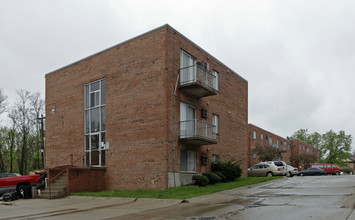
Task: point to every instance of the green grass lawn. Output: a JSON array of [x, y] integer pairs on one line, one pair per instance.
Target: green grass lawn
[[183, 192]]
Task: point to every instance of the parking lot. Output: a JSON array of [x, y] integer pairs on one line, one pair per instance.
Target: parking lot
[[318, 197]]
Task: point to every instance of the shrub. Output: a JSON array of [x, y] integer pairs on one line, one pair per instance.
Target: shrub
[[231, 169], [212, 178], [200, 180], [347, 170], [222, 176]]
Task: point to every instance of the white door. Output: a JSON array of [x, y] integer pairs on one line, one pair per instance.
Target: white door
[[187, 120], [187, 73]]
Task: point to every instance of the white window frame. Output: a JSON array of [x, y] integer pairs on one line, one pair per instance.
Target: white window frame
[[187, 68], [261, 136], [215, 123], [254, 135], [100, 105], [190, 161], [215, 84], [270, 141], [187, 128]]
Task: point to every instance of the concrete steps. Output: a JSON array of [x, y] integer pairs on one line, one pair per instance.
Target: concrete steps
[[57, 190]]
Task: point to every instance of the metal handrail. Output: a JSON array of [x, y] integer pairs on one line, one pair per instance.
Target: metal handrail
[[197, 73], [61, 172], [197, 128]]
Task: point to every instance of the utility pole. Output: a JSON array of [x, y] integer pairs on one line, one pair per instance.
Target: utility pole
[[42, 138]]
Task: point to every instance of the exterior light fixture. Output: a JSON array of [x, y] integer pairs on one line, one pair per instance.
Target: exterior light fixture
[[53, 110]]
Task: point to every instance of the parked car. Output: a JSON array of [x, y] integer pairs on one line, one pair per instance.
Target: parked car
[[19, 183], [263, 169], [9, 174], [312, 172], [329, 168], [280, 164], [291, 171]]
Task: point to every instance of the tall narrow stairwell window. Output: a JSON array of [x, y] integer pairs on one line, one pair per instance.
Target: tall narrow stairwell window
[[95, 123]]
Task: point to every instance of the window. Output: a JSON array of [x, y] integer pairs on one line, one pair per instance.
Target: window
[[278, 144], [215, 158], [187, 68], [254, 135], [215, 123], [215, 81], [254, 155], [300, 147], [285, 146], [270, 141], [187, 161], [187, 120], [95, 122], [261, 136]]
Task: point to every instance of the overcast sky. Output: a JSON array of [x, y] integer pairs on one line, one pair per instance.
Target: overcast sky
[[298, 56]]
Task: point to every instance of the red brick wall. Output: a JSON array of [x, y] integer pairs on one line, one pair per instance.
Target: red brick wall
[[86, 179], [140, 78], [299, 148], [135, 111], [231, 104], [288, 156], [285, 156]]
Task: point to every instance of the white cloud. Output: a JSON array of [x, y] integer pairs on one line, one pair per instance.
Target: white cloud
[[298, 56]]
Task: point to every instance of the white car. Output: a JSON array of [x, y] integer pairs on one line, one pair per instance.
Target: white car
[[291, 171], [263, 169], [281, 164]]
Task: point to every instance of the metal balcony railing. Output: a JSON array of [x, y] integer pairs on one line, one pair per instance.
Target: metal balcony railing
[[197, 132], [198, 77]]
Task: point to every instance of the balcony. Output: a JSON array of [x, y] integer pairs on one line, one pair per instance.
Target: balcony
[[197, 81], [197, 132]]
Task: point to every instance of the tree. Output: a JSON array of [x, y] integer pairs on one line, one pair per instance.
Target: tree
[[313, 139], [267, 153], [334, 147], [304, 159], [2, 102], [2, 149], [24, 116]]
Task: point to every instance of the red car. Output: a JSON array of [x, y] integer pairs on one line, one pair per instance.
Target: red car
[[329, 168], [18, 183]]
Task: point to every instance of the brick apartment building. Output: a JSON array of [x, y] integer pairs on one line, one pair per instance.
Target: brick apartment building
[[149, 112], [291, 149]]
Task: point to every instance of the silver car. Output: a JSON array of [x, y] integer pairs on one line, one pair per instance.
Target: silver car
[[264, 169], [291, 171]]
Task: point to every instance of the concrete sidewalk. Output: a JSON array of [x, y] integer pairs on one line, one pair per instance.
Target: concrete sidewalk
[[319, 197], [78, 207]]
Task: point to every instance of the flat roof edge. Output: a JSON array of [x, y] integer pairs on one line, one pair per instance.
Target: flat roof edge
[[109, 48], [141, 35]]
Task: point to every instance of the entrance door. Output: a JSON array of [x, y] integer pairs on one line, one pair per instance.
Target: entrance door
[[187, 120], [188, 70], [97, 145]]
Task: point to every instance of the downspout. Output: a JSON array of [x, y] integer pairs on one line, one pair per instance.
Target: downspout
[[174, 129]]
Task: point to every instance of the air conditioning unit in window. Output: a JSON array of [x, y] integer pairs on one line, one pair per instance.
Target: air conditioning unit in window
[[204, 160], [204, 113], [203, 65]]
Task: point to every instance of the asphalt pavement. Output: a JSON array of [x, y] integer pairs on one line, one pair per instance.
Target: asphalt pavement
[[320, 197]]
